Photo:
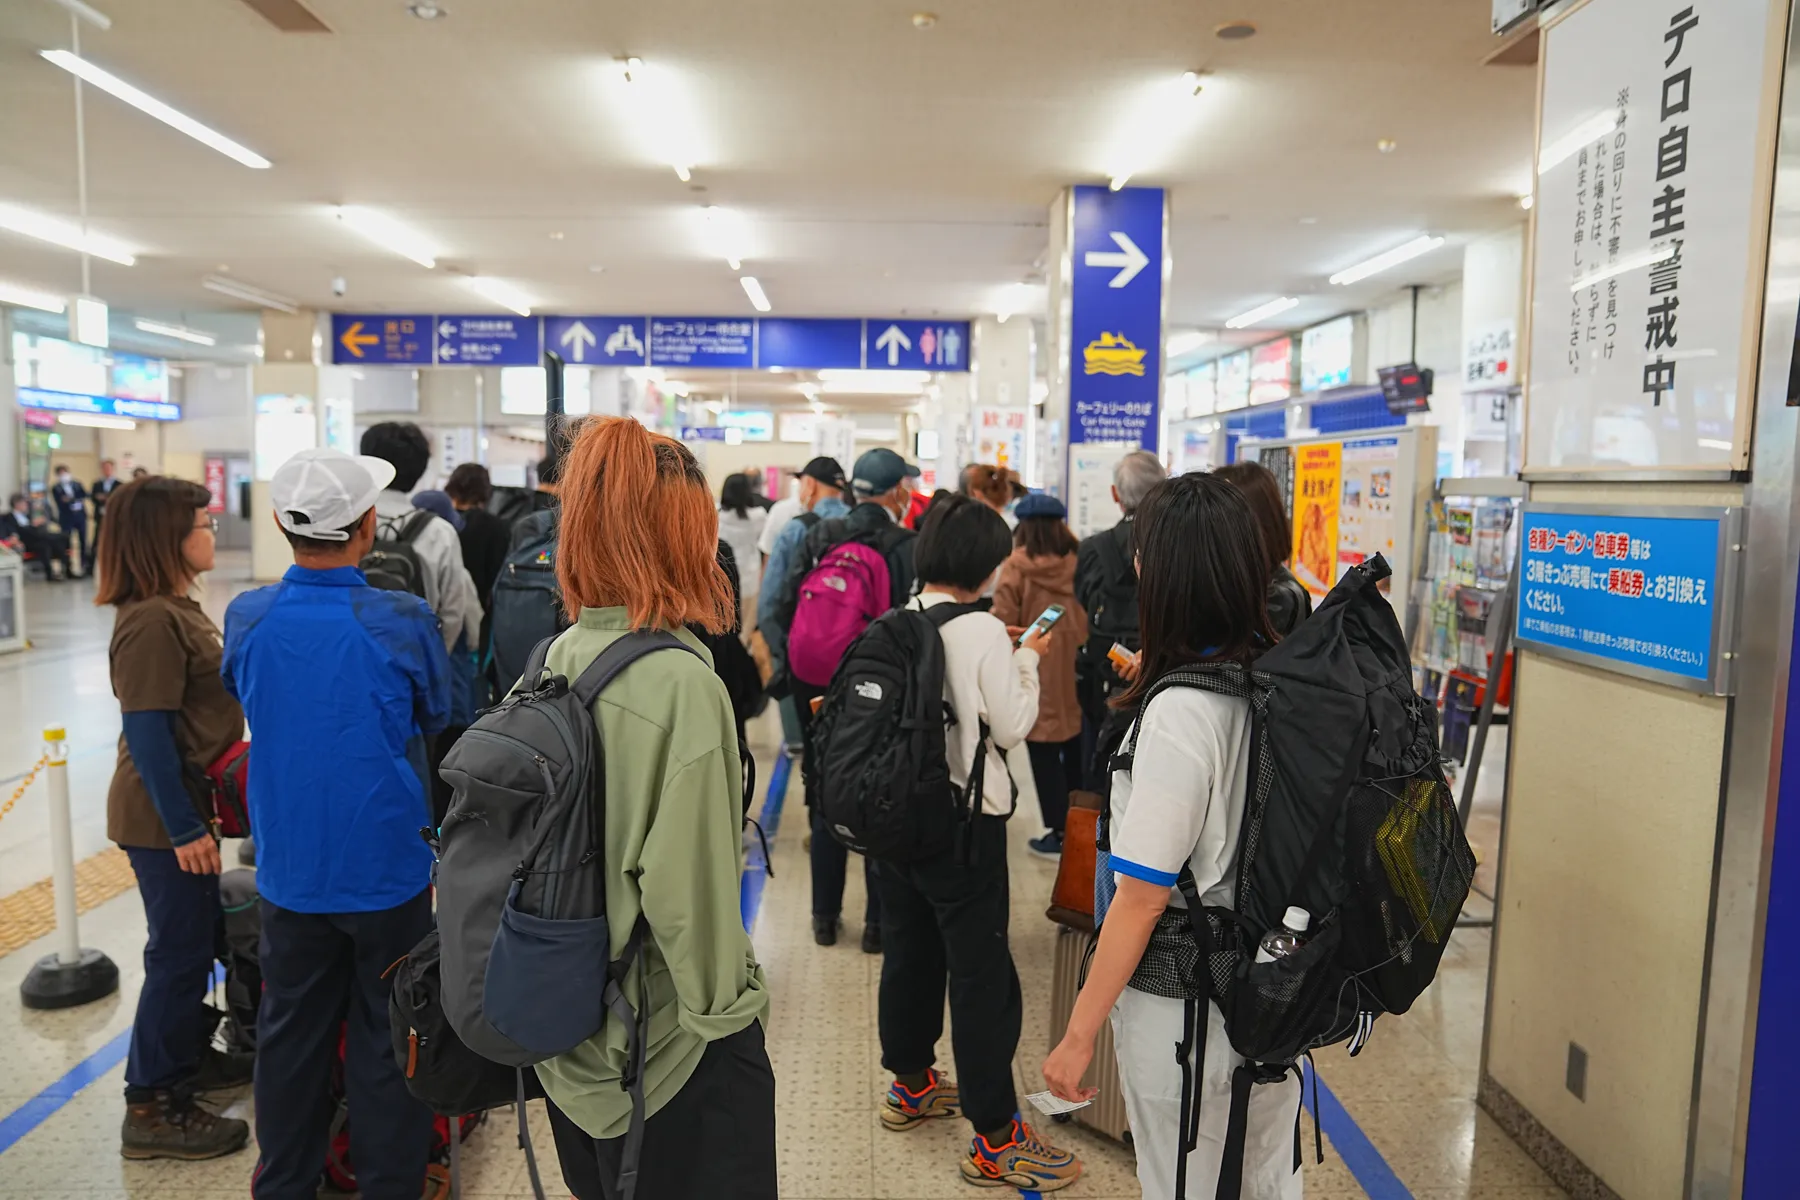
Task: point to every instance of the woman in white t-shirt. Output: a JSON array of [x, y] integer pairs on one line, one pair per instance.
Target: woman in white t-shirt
[[741, 524], [1202, 581]]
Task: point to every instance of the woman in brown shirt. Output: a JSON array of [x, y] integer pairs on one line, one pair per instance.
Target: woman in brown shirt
[[178, 719], [1041, 572]]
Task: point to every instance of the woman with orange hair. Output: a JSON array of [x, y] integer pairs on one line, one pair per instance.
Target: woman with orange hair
[[638, 551]]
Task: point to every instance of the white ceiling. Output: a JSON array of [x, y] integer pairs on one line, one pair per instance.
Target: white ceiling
[[880, 169]]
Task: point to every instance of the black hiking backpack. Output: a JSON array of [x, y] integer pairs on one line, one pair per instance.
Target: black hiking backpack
[[524, 949], [884, 780], [526, 605], [1348, 816], [393, 563]]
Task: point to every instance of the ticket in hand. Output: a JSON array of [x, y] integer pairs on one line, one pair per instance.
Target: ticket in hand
[[1052, 1105]]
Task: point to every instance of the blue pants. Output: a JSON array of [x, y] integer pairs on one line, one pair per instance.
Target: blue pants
[[182, 911], [321, 970]]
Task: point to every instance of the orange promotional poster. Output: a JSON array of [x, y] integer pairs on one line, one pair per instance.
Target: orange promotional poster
[[1318, 482]]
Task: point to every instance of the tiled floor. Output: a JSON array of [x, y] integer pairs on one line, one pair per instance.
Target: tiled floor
[[1411, 1091]]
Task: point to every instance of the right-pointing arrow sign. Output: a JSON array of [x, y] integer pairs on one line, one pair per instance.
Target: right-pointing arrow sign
[[893, 340], [1128, 259]]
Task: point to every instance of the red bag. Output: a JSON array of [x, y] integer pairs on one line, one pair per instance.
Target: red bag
[[228, 786]]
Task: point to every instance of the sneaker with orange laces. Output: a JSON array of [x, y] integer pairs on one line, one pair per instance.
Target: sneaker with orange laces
[[1025, 1162], [905, 1109]]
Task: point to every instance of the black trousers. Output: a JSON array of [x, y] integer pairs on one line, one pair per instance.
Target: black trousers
[[74, 527], [46, 547], [715, 1138], [183, 913], [320, 970], [1057, 767], [830, 860], [945, 923]]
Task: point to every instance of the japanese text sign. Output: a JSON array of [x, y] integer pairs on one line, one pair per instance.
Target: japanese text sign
[[1648, 592], [382, 339], [703, 342], [487, 341]]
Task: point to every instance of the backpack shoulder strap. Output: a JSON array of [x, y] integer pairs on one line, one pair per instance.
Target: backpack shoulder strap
[[415, 525], [621, 654], [808, 519], [941, 615], [534, 666]]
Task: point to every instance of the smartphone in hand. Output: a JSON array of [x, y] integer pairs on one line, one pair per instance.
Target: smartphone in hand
[[1045, 620]]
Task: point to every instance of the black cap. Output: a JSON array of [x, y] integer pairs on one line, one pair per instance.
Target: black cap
[[824, 469]]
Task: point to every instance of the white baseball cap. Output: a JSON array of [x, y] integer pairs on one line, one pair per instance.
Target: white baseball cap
[[320, 493]]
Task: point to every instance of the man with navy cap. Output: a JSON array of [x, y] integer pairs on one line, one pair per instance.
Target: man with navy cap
[[341, 683], [880, 485]]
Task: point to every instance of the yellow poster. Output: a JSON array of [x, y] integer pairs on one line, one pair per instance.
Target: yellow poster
[[1318, 482]]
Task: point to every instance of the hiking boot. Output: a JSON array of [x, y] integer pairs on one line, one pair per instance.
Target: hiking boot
[[1024, 1163], [825, 930], [221, 1071], [871, 939], [904, 1109], [173, 1126], [1048, 846], [437, 1183]]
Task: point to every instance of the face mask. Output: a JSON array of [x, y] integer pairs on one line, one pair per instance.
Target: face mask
[[62, 477]]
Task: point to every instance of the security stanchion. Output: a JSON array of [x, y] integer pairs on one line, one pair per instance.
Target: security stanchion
[[72, 975]]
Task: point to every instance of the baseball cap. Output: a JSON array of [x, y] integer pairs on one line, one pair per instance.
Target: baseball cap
[[319, 493], [878, 471], [824, 469]]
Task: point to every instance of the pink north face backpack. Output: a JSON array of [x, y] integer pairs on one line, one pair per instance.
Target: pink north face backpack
[[838, 598]]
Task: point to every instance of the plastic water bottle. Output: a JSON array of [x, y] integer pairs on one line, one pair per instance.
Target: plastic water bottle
[[1279, 943]]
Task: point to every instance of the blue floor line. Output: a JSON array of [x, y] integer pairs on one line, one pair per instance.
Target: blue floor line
[[41, 1107], [750, 887], [1353, 1145]]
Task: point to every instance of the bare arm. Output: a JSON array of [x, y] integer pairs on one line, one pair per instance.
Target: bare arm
[[1123, 937]]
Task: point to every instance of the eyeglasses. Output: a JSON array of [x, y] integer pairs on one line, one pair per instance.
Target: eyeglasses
[[211, 525]]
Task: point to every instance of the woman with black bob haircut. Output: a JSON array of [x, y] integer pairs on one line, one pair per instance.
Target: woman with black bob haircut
[[944, 919], [1203, 580]]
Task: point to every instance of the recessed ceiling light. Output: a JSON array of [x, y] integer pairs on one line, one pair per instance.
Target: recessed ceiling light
[[556, 236], [924, 20], [427, 11], [1526, 201], [1309, 220], [1387, 145], [1235, 31], [595, 269]]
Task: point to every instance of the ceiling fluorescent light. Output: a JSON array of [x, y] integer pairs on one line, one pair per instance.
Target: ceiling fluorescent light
[[24, 297], [86, 12], [61, 233], [501, 293], [1161, 112], [1014, 299], [662, 114], [249, 294], [1117, 182], [180, 332], [389, 234], [725, 232], [1189, 340], [1262, 312], [1570, 143], [1393, 258], [107, 82], [95, 421], [754, 290]]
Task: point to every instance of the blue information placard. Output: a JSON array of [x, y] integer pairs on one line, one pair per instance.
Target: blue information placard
[[1649, 592], [597, 341], [106, 406], [808, 344], [1115, 344], [382, 339], [703, 342], [702, 433], [486, 340], [917, 345]]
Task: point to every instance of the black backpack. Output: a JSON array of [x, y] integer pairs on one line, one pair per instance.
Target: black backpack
[[884, 780], [1348, 816], [525, 951], [527, 606], [393, 563]]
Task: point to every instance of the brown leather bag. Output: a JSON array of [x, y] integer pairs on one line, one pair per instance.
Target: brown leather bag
[[1072, 900]]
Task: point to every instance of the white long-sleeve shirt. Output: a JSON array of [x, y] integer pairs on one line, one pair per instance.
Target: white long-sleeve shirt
[[985, 679], [448, 588]]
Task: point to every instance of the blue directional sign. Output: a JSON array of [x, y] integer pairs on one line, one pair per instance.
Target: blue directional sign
[[382, 339], [487, 341], [808, 345], [702, 433], [598, 341], [107, 406], [917, 345], [1648, 591], [1115, 350], [703, 342]]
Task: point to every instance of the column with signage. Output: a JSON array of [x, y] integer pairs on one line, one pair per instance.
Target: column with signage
[[1109, 269]]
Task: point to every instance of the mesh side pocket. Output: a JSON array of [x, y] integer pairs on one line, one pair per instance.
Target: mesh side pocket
[[1279, 1010], [1410, 868]]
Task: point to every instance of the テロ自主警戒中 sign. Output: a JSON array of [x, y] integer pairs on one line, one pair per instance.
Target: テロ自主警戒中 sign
[[1648, 592]]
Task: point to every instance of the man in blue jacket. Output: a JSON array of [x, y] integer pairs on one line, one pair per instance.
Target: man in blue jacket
[[341, 683]]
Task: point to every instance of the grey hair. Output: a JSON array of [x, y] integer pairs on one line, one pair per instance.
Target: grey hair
[[1135, 475]]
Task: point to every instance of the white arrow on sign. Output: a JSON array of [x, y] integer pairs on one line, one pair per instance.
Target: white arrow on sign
[[578, 338], [893, 340], [447, 351], [1128, 259], [446, 330]]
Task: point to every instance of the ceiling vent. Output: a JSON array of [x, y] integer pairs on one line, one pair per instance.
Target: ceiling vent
[[289, 16]]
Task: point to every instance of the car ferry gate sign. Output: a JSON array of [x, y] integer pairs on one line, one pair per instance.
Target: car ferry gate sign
[[1116, 318]]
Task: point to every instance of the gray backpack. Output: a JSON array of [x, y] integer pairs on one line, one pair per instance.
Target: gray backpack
[[527, 972]]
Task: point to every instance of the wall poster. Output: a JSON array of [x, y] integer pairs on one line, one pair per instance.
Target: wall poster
[[1318, 480], [1000, 437]]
